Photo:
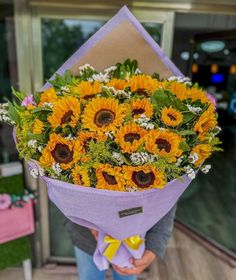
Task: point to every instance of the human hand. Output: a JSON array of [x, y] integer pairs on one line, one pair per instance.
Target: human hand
[[94, 233], [139, 264]]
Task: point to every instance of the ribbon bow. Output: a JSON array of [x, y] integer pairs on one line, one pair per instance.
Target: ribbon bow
[[132, 242]]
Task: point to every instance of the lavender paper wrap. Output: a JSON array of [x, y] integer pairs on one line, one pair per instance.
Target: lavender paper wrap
[[99, 209]]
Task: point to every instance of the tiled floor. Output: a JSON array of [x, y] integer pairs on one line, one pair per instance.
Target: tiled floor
[[185, 260]]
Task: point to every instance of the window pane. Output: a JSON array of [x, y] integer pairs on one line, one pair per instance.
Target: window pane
[[154, 29], [8, 77]]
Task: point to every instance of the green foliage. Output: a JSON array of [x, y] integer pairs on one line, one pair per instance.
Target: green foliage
[[62, 80], [126, 69], [13, 114], [18, 94]]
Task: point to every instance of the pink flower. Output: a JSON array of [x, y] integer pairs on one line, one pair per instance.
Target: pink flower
[[29, 100], [5, 201], [211, 98]]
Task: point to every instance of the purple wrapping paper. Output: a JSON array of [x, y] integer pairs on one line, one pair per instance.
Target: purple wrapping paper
[[99, 209]]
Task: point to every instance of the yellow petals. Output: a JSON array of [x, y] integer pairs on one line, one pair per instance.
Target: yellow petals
[[171, 117], [38, 127], [203, 151]]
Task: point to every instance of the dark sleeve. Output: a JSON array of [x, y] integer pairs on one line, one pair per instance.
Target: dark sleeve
[[158, 236]]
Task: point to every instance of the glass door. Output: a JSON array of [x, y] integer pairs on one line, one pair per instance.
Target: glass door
[[55, 34]]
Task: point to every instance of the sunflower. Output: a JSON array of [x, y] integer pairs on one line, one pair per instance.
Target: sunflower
[[198, 94], [141, 106], [171, 116], [203, 151], [86, 89], [65, 112], [206, 121], [48, 96], [144, 177], [85, 136], [118, 84], [58, 150], [38, 126], [143, 84], [180, 90], [80, 176], [109, 178], [163, 143], [130, 137], [103, 114]]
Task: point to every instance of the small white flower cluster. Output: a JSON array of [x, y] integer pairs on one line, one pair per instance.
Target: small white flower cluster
[[190, 172], [32, 143], [193, 158], [179, 161], [137, 71], [84, 68], [110, 69], [185, 80], [99, 78], [65, 89], [206, 168], [194, 109], [57, 168], [40, 148], [47, 104], [131, 189], [143, 121], [70, 137], [4, 114], [141, 158], [36, 172], [217, 130], [109, 134], [117, 93], [118, 158]]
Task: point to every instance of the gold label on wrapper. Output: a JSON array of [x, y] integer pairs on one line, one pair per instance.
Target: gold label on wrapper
[[130, 212]]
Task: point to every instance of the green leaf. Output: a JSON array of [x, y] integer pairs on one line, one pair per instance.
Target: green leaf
[[184, 146], [18, 94], [13, 114], [37, 97], [159, 99], [39, 137], [188, 117], [41, 109], [186, 132]]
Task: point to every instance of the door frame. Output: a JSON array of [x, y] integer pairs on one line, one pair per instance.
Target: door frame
[[30, 70]]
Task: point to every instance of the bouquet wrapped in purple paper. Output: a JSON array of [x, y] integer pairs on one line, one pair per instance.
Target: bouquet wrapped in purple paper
[[117, 135]]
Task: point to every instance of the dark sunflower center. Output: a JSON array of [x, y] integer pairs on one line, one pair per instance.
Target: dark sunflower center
[[86, 97], [173, 118], [142, 179], [62, 153], [138, 111], [142, 91], [130, 137], [67, 117], [111, 180], [163, 144], [104, 117]]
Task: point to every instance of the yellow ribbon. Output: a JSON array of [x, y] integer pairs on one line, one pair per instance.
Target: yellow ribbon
[[132, 242]]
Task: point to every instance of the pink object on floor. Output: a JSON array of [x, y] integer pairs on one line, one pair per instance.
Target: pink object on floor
[[16, 222]]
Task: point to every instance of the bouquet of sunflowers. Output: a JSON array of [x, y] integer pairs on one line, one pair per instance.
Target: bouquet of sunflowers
[[117, 130], [116, 147]]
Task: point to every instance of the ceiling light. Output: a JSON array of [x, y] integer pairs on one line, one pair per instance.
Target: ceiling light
[[184, 55], [212, 46]]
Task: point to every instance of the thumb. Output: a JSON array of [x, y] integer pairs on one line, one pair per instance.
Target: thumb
[[146, 259]]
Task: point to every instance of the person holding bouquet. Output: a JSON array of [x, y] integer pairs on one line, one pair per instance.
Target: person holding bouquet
[[84, 240]]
